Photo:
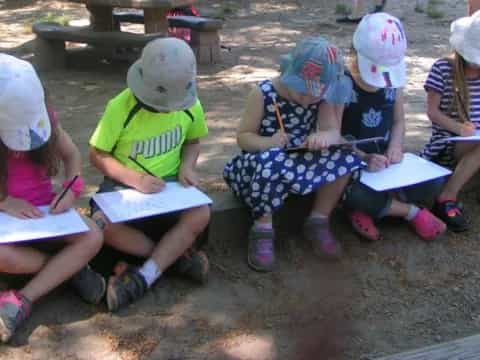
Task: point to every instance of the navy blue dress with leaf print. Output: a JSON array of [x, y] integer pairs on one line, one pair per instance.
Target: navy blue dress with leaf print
[[264, 179]]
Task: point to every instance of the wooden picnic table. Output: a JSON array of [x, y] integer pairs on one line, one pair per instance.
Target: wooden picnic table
[[155, 20]]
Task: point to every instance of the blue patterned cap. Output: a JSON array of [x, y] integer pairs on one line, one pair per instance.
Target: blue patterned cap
[[315, 64]]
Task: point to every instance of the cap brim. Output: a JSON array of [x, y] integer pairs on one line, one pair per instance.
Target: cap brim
[[460, 45], [28, 138], [136, 84], [382, 76]]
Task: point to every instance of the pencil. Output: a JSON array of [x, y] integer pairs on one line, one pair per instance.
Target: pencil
[[279, 116], [62, 195], [141, 166]]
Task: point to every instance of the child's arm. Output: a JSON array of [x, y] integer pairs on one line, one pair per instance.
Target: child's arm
[[328, 128], [247, 133], [438, 117], [114, 169], [19, 208], [375, 162], [72, 162], [394, 151], [190, 151]]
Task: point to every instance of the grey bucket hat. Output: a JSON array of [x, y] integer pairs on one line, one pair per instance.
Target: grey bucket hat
[[164, 76]]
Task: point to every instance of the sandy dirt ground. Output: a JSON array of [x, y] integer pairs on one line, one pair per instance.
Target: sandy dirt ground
[[380, 299]]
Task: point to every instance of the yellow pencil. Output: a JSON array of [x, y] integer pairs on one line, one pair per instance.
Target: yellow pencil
[[279, 116]]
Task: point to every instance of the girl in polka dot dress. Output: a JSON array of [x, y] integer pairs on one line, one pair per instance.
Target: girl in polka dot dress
[[266, 172]]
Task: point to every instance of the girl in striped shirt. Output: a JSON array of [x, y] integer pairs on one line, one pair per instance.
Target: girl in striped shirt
[[453, 106]]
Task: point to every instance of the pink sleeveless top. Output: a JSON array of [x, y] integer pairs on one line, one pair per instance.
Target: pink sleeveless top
[[27, 180]]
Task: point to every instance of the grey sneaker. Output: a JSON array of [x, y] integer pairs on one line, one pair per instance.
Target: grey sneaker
[[89, 284], [193, 265], [261, 252], [317, 231], [14, 309], [125, 288]]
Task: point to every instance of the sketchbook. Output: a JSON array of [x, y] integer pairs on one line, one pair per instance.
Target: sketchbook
[[13, 229], [412, 170], [130, 204], [475, 137], [347, 143]]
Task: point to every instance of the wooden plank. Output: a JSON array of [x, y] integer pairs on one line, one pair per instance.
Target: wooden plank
[[53, 31], [462, 349], [136, 4]]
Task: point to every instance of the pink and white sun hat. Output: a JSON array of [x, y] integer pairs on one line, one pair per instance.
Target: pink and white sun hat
[[381, 43], [465, 37], [24, 121]]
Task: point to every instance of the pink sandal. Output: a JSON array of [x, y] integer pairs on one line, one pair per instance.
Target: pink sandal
[[364, 226]]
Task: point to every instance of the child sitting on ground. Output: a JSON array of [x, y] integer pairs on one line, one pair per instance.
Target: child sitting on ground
[[453, 106], [288, 111], [377, 70], [32, 145], [155, 124]]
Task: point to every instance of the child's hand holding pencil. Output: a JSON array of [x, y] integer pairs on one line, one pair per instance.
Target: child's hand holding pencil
[[64, 200]]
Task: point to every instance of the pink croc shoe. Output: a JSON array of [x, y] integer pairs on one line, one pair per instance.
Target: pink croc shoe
[[364, 225], [427, 225]]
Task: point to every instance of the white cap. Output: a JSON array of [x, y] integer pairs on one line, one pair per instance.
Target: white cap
[[381, 43], [465, 37], [24, 121]]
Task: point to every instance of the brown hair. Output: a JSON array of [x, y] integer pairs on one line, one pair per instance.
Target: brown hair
[[353, 63], [461, 96], [46, 155]]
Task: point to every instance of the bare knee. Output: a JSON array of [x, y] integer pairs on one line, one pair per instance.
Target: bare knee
[[11, 258], [196, 219], [467, 150], [7, 257], [92, 239]]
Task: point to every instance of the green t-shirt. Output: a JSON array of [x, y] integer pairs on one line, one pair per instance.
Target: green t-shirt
[[129, 129]]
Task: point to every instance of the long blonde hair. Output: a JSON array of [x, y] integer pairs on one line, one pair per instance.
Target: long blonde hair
[[461, 95]]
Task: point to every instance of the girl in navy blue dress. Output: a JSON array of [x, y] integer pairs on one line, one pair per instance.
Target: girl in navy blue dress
[[265, 173]]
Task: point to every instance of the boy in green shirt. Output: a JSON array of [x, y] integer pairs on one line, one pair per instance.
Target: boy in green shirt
[[148, 133]]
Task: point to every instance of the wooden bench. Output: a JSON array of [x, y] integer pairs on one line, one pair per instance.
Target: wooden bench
[[205, 39], [50, 49]]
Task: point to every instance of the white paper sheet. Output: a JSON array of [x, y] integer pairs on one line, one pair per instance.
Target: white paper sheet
[[412, 170], [475, 137], [16, 230], [131, 204]]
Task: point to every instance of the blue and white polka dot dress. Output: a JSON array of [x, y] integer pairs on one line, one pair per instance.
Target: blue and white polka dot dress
[[264, 179]]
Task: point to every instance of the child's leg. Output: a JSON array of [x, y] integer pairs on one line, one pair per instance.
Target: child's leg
[[68, 261], [446, 206], [124, 237], [317, 226], [468, 156], [50, 272], [328, 196], [21, 260], [355, 15], [14, 306], [132, 284], [181, 237], [357, 8]]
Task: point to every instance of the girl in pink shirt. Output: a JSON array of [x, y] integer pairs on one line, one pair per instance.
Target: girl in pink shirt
[[32, 146]]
